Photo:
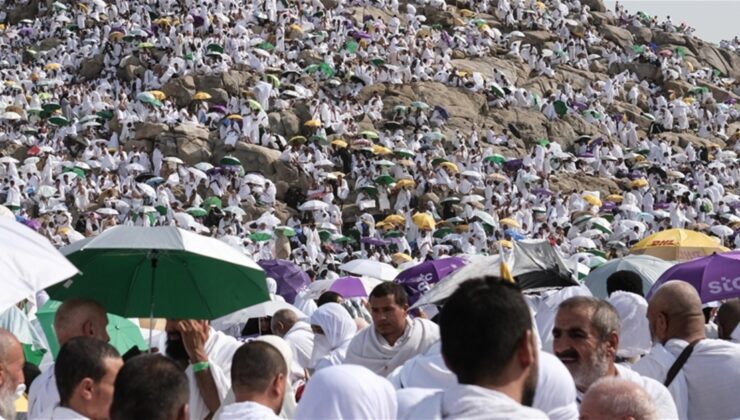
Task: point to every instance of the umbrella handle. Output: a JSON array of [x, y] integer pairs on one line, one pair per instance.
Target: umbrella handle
[[154, 260]]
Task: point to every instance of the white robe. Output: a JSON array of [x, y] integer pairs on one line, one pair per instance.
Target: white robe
[[706, 387], [43, 395], [370, 349], [470, 402], [300, 340], [247, 410]]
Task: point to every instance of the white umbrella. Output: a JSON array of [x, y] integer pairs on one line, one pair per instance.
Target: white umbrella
[[5, 212], [47, 191], [203, 166], [472, 174], [259, 310], [313, 205], [254, 179], [630, 208], [147, 189], [479, 266], [29, 263], [197, 173], [649, 268], [582, 242], [370, 268], [472, 198], [107, 211], [485, 217], [721, 230], [173, 159], [9, 159], [235, 210], [136, 167]]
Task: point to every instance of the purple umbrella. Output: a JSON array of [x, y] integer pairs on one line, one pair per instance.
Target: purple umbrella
[[198, 20], [348, 287], [714, 277], [27, 31], [289, 277], [542, 191], [609, 205], [513, 165], [661, 206], [586, 155], [374, 241], [221, 109], [417, 279]]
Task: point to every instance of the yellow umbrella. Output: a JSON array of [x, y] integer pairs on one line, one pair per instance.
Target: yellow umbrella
[[52, 66], [296, 27], [201, 96], [540, 5], [678, 245], [450, 166], [83, 7], [313, 123], [506, 243], [339, 143], [395, 219], [115, 36], [163, 21], [615, 198], [406, 183], [380, 150], [423, 221], [497, 177], [399, 258], [158, 95], [639, 183], [236, 117], [592, 200], [510, 222], [406, 162]]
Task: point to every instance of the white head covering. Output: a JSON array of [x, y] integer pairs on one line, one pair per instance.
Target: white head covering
[[634, 335], [347, 392], [338, 327]]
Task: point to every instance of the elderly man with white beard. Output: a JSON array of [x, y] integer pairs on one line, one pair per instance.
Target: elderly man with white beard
[[11, 373], [586, 339]]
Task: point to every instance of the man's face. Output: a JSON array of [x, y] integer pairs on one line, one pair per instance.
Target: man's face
[[577, 344], [102, 392], [11, 375], [388, 317]]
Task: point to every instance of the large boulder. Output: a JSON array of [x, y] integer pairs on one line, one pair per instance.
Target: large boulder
[[673, 38], [91, 68], [602, 18], [642, 34], [727, 62], [149, 131], [538, 38], [48, 44], [206, 82], [22, 11], [514, 72], [218, 96], [617, 35], [527, 124], [234, 81], [595, 5], [284, 123], [581, 182], [180, 90], [644, 71]]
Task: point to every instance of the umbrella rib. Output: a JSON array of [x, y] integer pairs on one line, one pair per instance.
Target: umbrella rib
[[131, 284]]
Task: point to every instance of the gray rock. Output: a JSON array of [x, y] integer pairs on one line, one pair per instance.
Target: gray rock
[[180, 90], [218, 96], [538, 38], [149, 130], [662, 38], [641, 34], [617, 35], [284, 123], [595, 5], [91, 68]]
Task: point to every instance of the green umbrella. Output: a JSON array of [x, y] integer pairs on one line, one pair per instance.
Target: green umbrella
[[441, 233], [369, 134], [343, 240], [286, 230], [51, 107], [681, 51], [211, 202], [197, 212], [404, 153], [254, 105], [699, 90], [59, 120], [437, 161], [77, 171], [384, 180], [230, 160], [324, 235], [215, 49], [106, 115], [498, 159], [370, 189], [638, 49], [561, 108], [453, 200], [644, 16], [393, 234], [542, 142], [319, 138], [419, 105], [162, 272], [497, 90], [145, 45], [266, 46], [260, 236], [326, 69], [351, 46], [377, 61]]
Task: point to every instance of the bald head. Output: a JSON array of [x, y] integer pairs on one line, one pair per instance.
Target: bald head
[[11, 372], [675, 311], [282, 321], [80, 318], [614, 398], [728, 316]]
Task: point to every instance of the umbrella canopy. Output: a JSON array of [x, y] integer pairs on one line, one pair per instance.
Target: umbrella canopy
[[164, 272], [418, 279], [510, 222], [289, 277], [714, 277], [123, 333], [677, 245], [649, 269], [260, 310], [370, 268], [423, 221], [29, 263], [312, 205]]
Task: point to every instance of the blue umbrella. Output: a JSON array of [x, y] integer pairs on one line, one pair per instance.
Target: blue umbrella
[[515, 235]]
